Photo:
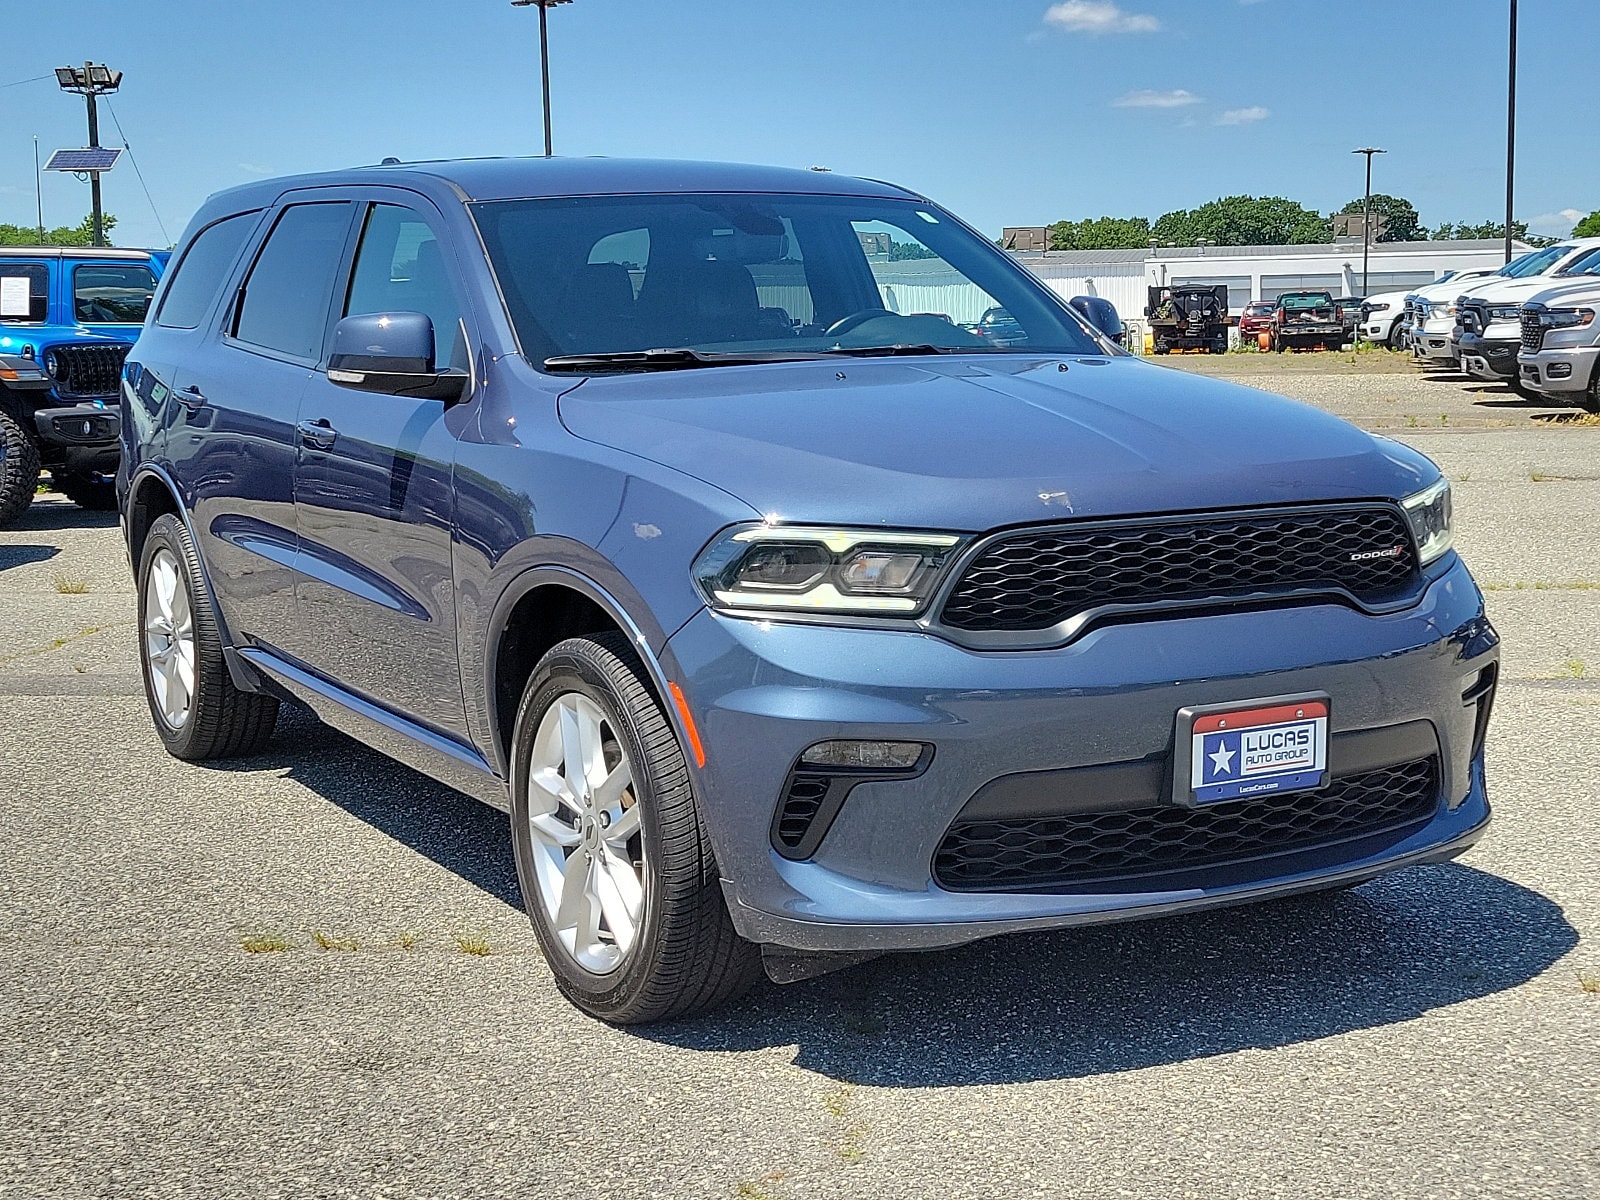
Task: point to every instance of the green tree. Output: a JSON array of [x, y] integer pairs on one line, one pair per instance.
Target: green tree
[[1101, 233], [1244, 221], [81, 234], [1492, 231], [1589, 226], [1402, 222]]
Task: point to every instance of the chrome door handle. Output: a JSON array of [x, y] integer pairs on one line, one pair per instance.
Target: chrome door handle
[[317, 433], [190, 397]]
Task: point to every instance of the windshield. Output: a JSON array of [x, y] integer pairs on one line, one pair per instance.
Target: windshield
[[1584, 264], [1535, 263], [747, 275]]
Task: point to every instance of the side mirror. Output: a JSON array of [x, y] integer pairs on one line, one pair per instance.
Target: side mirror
[[1100, 313], [391, 353]]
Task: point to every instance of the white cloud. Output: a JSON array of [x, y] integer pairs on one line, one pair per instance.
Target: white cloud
[[1243, 116], [1556, 224], [1098, 16], [253, 169], [1146, 98]]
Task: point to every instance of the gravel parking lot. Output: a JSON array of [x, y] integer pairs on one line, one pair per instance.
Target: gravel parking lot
[[308, 974]]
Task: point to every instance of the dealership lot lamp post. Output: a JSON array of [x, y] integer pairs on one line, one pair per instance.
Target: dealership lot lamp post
[[1366, 216], [544, 57], [89, 81], [1511, 125]]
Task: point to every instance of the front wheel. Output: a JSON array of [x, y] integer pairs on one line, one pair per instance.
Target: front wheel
[[199, 713], [1590, 399], [1397, 337], [612, 854], [19, 467]]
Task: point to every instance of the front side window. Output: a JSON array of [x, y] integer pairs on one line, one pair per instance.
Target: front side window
[[103, 294], [762, 274], [202, 271], [400, 268], [289, 291], [24, 292]]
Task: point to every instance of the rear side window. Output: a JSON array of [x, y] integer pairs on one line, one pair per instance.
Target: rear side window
[[287, 296], [24, 292], [112, 294], [201, 272]]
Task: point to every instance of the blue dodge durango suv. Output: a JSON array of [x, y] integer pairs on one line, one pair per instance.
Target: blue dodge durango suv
[[677, 510]]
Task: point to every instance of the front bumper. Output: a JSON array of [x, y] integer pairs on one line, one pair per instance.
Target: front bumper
[[79, 437], [1560, 370], [761, 692], [1432, 342], [1491, 358]]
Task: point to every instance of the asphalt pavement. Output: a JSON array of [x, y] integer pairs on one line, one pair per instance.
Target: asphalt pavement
[[307, 974]]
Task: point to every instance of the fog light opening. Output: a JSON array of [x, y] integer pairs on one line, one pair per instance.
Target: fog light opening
[[865, 756], [1559, 370]]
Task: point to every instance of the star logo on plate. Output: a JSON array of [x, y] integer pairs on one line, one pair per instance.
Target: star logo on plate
[[1221, 760]]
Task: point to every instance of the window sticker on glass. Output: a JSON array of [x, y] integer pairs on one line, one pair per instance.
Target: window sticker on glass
[[14, 300]]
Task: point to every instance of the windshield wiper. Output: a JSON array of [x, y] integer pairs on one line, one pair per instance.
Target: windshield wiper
[[673, 359], [899, 348]]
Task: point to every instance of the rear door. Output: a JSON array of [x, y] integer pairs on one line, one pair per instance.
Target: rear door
[[234, 403], [373, 494]]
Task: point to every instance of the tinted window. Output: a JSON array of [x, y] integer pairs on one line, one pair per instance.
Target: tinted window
[[201, 272], [118, 294], [400, 268], [287, 296], [769, 272], [23, 295]]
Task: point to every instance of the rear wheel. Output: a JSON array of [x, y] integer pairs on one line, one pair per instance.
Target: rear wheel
[[19, 467], [199, 713], [1161, 345], [1590, 399], [87, 489], [612, 854]]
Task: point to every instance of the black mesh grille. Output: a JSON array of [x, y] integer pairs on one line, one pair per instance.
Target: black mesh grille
[[1043, 852], [1532, 331], [88, 371], [799, 808], [1038, 579]]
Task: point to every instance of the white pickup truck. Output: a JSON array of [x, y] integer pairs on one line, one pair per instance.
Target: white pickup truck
[[1559, 354], [1433, 316], [1489, 312]]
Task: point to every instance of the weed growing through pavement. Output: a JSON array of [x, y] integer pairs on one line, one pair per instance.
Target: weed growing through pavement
[[266, 943], [410, 941], [1589, 982], [1573, 668], [475, 943], [69, 585], [329, 942]]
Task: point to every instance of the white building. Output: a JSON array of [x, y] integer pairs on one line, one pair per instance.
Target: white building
[[1254, 272]]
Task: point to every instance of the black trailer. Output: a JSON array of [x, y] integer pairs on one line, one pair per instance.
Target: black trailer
[[1189, 317]]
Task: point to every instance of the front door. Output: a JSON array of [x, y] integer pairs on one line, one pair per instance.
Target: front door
[[373, 497]]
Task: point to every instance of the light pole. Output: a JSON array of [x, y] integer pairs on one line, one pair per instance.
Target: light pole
[[544, 57], [1511, 125], [1366, 216], [89, 81]]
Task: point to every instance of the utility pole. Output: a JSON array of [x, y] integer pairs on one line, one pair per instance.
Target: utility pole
[[38, 190], [544, 57], [1366, 217], [90, 81], [1511, 127]]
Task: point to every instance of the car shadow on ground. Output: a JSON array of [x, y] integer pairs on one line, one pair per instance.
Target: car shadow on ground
[[57, 512], [22, 556], [1066, 1004]]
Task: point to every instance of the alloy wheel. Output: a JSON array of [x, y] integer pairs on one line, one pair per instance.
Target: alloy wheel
[[169, 638], [584, 822]]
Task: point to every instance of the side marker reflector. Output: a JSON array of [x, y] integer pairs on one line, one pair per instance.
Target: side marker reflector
[[688, 724]]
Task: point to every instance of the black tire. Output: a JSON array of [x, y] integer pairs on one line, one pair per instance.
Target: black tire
[[222, 721], [1161, 345], [1590, 397], [1397, 337], [685, 957], [1220, 345], [19, 467], [89, 490]]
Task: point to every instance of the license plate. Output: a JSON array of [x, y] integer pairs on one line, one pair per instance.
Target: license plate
[[1255, 748]]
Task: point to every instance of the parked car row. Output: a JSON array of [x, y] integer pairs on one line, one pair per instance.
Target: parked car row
[[1303, 321], [1529, 324]]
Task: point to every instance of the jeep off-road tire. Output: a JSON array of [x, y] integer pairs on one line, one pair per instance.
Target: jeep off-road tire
[[19, 467], [199, 713], [612, 854], [89, 490]]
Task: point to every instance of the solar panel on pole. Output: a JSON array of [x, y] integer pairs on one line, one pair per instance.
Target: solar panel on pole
[[96, 158]]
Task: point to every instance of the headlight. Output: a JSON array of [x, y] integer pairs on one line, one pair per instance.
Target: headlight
[[1568, 318], [1429, 514], [1506, 312], [824, 570], [1372, 308]]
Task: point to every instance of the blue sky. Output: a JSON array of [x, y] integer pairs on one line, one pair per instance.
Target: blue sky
[[1010, 112]]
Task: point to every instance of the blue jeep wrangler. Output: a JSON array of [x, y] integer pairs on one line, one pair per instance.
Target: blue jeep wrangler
[[67, 319]]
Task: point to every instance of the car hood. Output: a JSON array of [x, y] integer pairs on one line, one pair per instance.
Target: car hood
[[970, 443], [1520, 289], [1573, 292]]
